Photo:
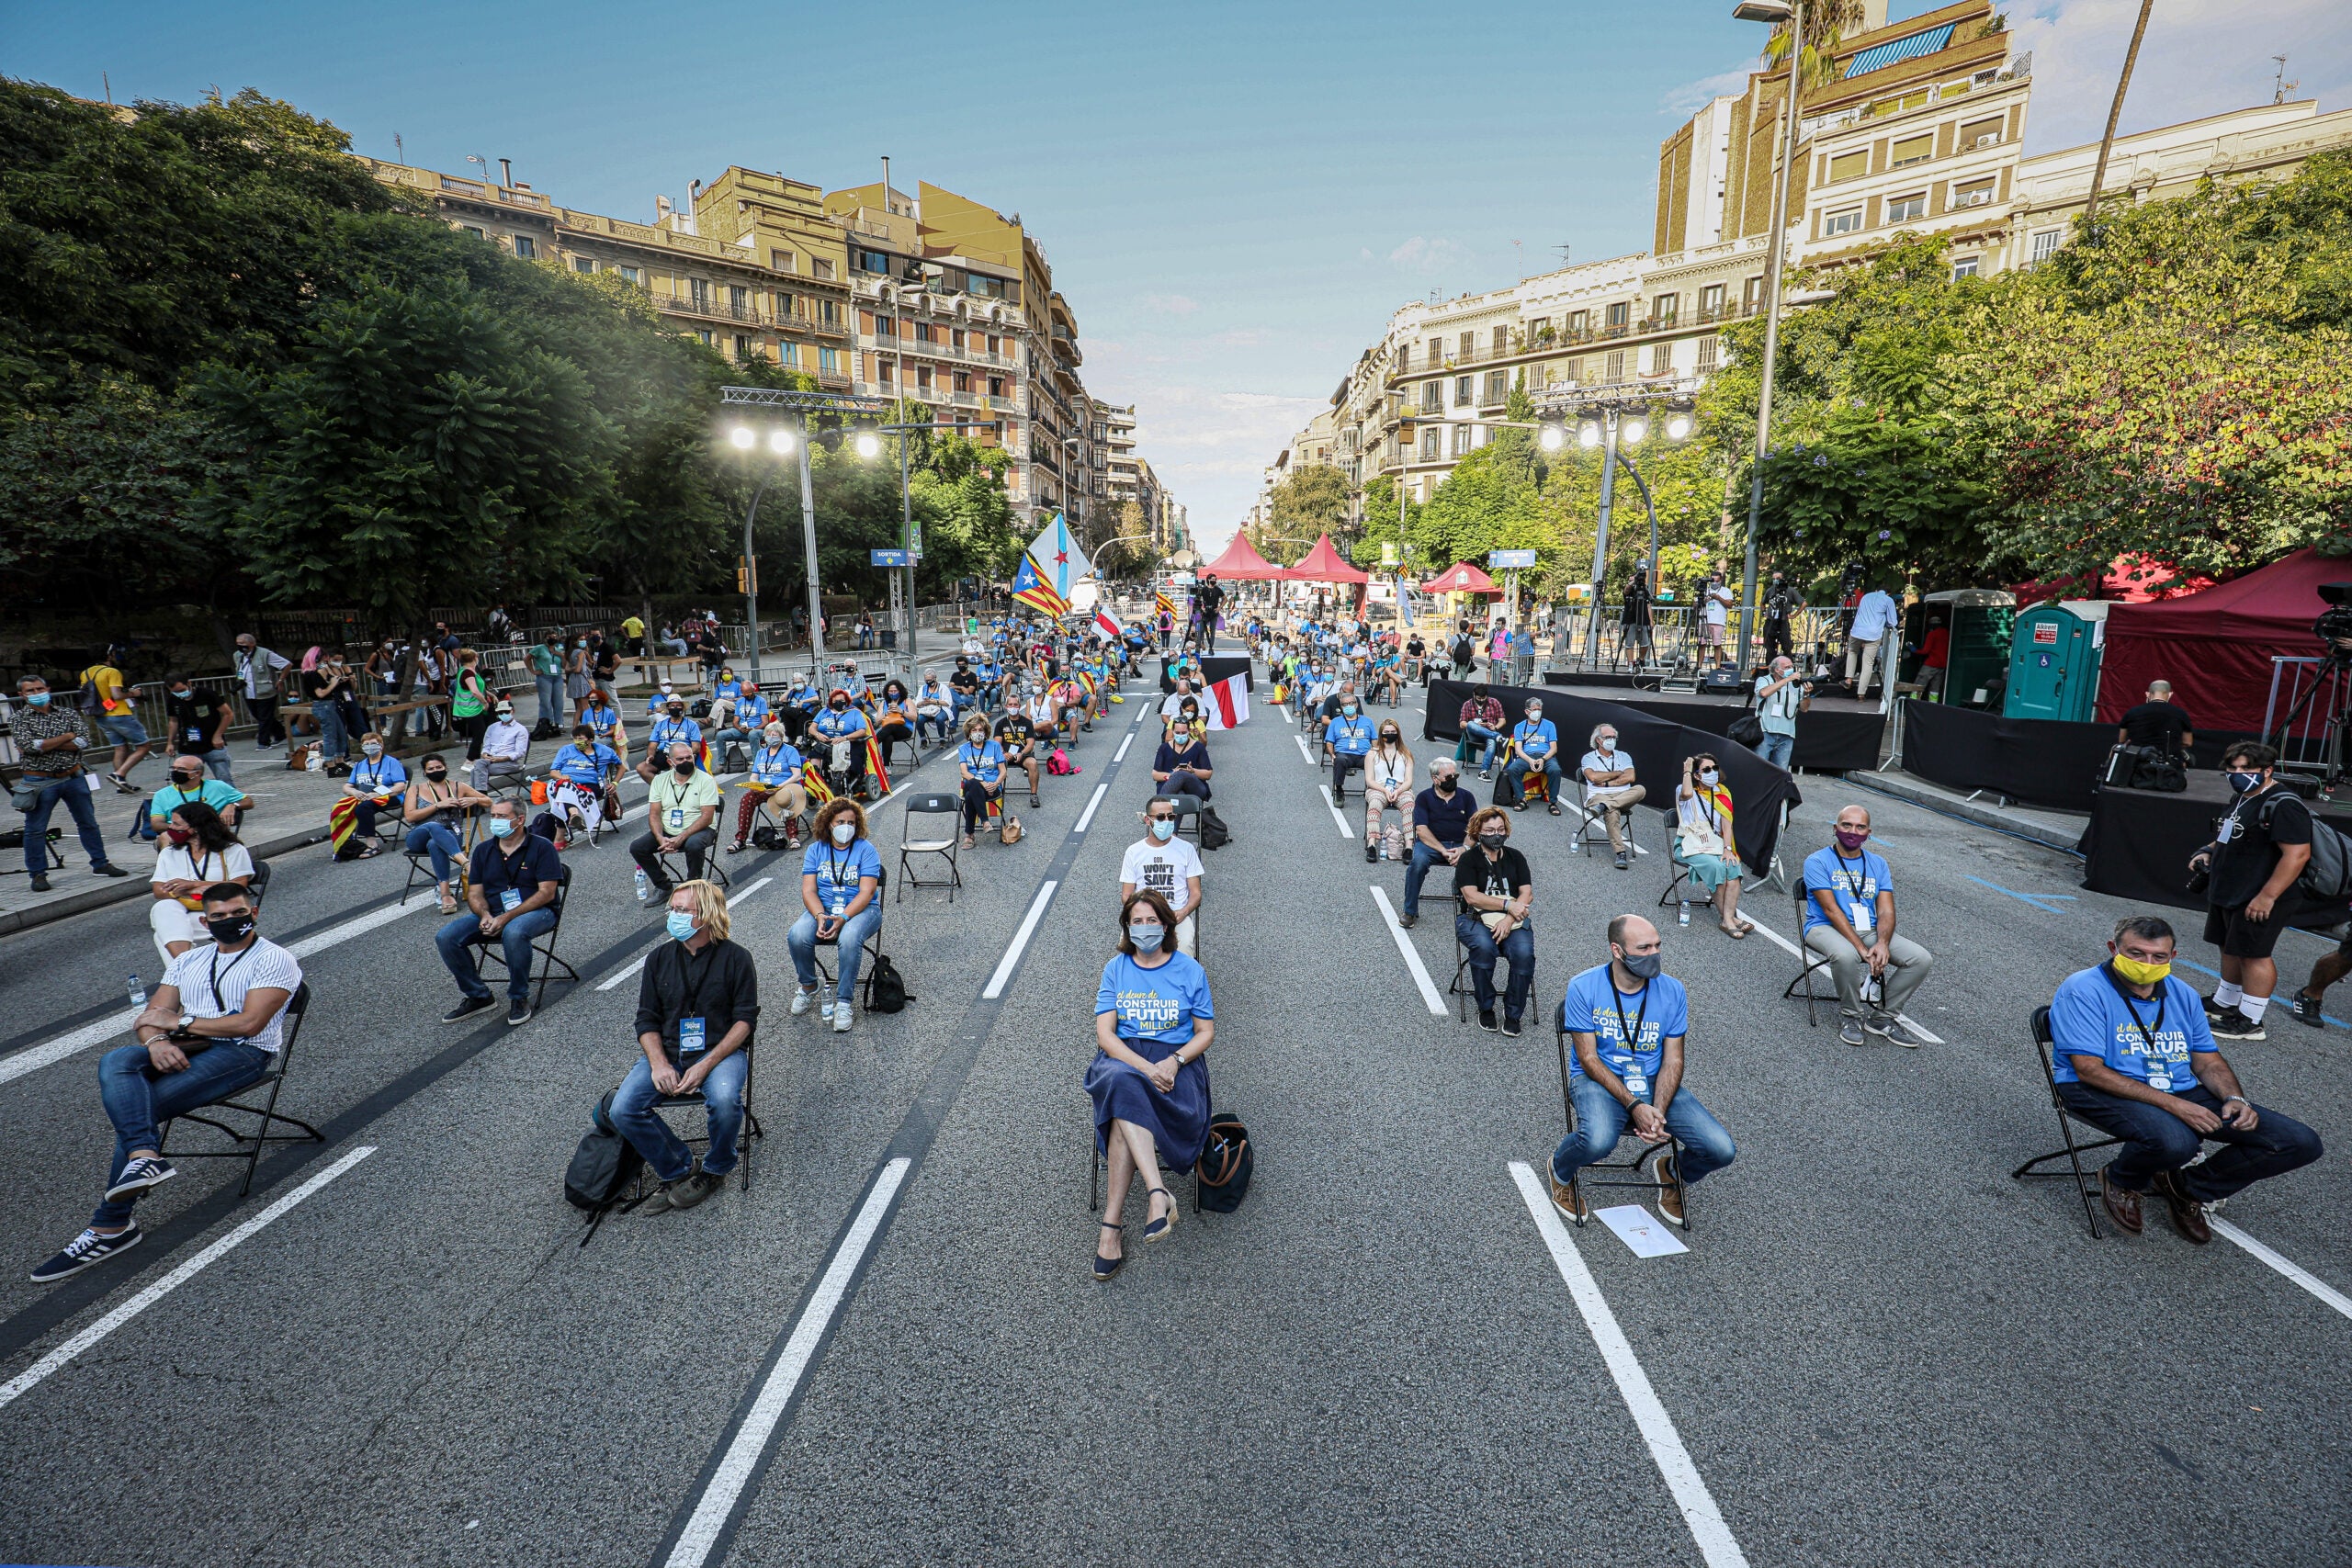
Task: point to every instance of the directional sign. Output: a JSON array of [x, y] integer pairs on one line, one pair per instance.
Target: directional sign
[[1503, 560], [891, 557]]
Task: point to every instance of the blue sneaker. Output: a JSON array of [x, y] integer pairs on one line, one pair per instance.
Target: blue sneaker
[[86, 1249], [140, 1175]]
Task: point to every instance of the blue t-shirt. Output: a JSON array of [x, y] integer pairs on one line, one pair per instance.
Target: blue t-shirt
[[725, 689], [2092, 1016], [1349, 737], [1155, 1004], [1536, 741], [1853, 879], [601, 720], [750, 713], [804, 698], [379, 775], [211, 793], [1628, 1032], [666, 732], [837, 871], [836, 725], [986, 763], [585, 769], [775, 765]]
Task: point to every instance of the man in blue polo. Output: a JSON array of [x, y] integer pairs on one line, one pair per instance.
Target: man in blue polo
[[1627, 1020], [749, 717], [2132, 1055], [1346, 738], [1535, 747], [511, 886], [1849, 920]]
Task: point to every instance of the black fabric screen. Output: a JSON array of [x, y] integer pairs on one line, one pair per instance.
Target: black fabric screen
[[2138, 845], [2043, 761]]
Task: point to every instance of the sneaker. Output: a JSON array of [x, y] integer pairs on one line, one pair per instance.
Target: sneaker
[[518, 1011], [1891, 1030], [2215, 1010], [698, 1185], [1850, 1031], [1624, 859], [1673, 1205], [1877, 1023], [1487, 1021], [842, 1013], [122, 786], [1486, 773], [802, 1000], [86, 1249], [108, 869], [1372, 853], [1510, 1026], [140, 1175], [1407, 921], [2236, 1025], [2307, 1010], [467, 1007], [664, 1198], [39, 884], [1568, 1199]]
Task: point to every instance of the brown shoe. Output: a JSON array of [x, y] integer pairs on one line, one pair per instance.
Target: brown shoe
[[2187, 1213], [2122, 1204], [1568, 1199], [1673, 1207]]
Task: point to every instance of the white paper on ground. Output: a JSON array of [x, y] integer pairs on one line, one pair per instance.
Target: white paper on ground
[[1641, 1230]]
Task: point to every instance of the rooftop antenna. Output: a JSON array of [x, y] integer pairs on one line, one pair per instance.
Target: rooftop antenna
[[400, 152], [2278, 92], [1520, 251], [1564, 256], [109, 87]]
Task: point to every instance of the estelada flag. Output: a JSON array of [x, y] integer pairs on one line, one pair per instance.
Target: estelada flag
[[873, 765], [1036, 591], [1228, 704], [813, 780]]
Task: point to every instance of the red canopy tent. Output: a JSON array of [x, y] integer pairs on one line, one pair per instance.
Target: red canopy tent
[[1325, 564], [1242, 562], [1459, 578], [2216, 647]]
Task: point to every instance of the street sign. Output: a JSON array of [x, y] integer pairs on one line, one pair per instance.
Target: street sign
[[1504, 561], [1388, 555], [914, 540], [891, 557]]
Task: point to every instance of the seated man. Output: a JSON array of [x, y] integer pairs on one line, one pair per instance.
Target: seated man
[[681, 812], [991, 674], [504, 745], [775, 783], [1070, 708], [191, 782], [1628, 1020], [750, 717], [696, 1004], [673, 728], [213, 1026], [1168, 865], [1482, 727], [1607, 775], [2132, 1055], [1345, 741], [511, 885], [583, 779], [964, 685], [1173, 702], [1849, 919], [799, 710], [1535, 747], [1441, 830], [725, 692], [1016, 738], [934, 711], [1497, 892], [2159, 723]]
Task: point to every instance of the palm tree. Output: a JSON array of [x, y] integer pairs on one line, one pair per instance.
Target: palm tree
[[1825, 21], [2115, 113]]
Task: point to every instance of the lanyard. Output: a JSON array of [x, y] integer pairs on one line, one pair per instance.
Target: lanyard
[[215, 972], [1706, 799], [2147, 1034], [1853, 885], [1631, 1035], [836, 863]]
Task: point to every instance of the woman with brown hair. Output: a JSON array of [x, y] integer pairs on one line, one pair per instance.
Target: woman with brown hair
[[1703, 842], [1497, 891], [841, 877], [1153, 1023]]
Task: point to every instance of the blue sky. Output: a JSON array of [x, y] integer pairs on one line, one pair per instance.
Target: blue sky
[[1233, 197]]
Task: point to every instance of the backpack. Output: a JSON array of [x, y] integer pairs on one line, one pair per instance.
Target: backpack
[[547, 825], [1225, 1164], [767, 836], [88, 700], [605, 1166], [2327, 877], [1215, 834], [886, 989], [1059, 764]]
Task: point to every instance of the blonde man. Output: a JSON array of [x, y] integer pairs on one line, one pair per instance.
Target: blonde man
[[696, 1004]]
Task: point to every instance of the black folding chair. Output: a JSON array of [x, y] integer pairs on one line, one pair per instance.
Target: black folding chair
[[543, 944], [257, 884], [1188, 810], [872, 947], [2043, 1050], [1809, 963], [1464, 989], [713, 870], [1638, 1177], [752, 1132], [1097, 1162], [1588, 817], [248, 1145], [946, 845]]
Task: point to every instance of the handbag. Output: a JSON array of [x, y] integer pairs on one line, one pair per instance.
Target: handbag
[[1225, 1165], [1008, 830], [1746, 730]]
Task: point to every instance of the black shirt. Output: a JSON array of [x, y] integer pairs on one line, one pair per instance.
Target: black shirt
[[1447, 820], [196, 719], [1195, 757], [1500, 877], [964, 680], [2266, 821], [1014, 732], [2160, 724], [720, 985], [494, 870]]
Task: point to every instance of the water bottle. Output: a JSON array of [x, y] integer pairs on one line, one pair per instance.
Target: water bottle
[[644, 888], [138, 991], [1685, 911]]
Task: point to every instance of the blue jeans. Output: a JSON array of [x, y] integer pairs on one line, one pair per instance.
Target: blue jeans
[[550, 699], [217, 760], [458, 935], [1777, 749], [1424, 857], [931, 722], [643, 1126], [76, 796], [2155, 1139], [138, 1099], [439, 840], [1515, 774], [1518, 949], [1600, 1121], [1475, 734], [851, 938], [333, 743]]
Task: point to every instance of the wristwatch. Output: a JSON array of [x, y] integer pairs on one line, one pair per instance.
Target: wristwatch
[[2237, 1099], [182, 1026]]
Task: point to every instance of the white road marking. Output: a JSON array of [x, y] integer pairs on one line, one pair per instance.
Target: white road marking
[[1088, 814], [639, 962], [35, 1057], [1793, 950], [2286, 1265], [1304, 754], [23, 1382], [742, 1456], [1345, 831], [1716, 1544], [1412, 954], [1121, 754], [1020, 940]]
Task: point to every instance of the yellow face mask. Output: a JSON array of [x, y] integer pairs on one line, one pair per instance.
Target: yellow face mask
[[2140, 974]]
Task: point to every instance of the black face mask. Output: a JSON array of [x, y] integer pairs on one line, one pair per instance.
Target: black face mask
[[229, 929], [1490, 843], [1443, 785], [436, 775], [683, 770]]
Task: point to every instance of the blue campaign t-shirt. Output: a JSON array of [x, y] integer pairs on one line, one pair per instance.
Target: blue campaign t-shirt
[[1536, 741], [986, 763], [584, 768], [835, 726], [1155, 1004], [668, 731], [1854, 879], [1349, 737], [751, 712], [1628, 1032], [837, 871], [2092, 1016], [601, 720], [380, 775], [775, 765], [725, 689]]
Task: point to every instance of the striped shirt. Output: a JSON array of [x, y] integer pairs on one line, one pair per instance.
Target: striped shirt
[[213, 984]]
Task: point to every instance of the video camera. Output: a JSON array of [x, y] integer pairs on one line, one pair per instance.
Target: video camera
[[2334, 626]]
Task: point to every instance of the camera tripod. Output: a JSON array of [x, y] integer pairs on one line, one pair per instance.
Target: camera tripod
[[2335, 672]]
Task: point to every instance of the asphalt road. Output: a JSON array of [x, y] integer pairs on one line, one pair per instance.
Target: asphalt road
[[1879, 1350]]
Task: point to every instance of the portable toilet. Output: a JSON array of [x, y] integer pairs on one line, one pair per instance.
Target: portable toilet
[[1977, 651], [2054, 660]]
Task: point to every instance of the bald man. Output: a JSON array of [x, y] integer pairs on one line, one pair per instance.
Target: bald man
[[2158, 722]]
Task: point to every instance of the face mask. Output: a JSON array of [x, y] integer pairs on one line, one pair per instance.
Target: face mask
[[1163, 827], [40, 699], [500, 827], [2239, 783], [1641, 965], [1348, 708], [1388, 737], [1605, 745], [1852, 837], [2139, 973], [178, 835], [978, 736], [436, 775], [1444, 785], [228, 928], [372, 750], [684, 770], [681, 925], [1490, 843], [844, 831], [841, 706], [1708, 775], [1146, 937]]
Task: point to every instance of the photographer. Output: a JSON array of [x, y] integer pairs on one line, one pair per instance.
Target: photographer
[[1781, 694], [2159, 724], [2259, 850]]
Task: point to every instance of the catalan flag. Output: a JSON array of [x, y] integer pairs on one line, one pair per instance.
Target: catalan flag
[[1167, 605], [812, 781], [1035, 591]]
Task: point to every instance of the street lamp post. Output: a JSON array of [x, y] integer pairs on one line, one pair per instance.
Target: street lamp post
[[1792, 13]]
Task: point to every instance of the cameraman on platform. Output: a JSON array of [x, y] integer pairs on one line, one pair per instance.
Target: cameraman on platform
[[2160, 724]]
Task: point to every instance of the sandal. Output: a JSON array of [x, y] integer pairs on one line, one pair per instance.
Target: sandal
[[1158, 1229], [1106, 1266], [1735, 932]]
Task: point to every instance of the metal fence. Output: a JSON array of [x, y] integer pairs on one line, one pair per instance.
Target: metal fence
[[1677, 635]]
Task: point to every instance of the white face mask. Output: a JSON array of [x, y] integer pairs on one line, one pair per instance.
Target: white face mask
[[1707, 775], [844, 831]]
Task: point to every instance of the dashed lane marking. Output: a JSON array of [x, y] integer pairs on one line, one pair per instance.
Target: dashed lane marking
[[1011, 958], [639, 962]]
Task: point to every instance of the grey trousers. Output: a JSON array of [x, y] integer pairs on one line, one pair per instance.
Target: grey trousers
[[1906, 966]]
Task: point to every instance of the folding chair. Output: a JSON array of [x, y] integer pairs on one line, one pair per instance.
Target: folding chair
[[872, 947], [713, 870], [1635, 1165], [495, 951], [1677, 891], [946, 846], [1188, 809], [1588, 817], [1098, 1165], [1809, 963], [1461, 987], [752, 1132], [247, 1146], [2043, 1051]]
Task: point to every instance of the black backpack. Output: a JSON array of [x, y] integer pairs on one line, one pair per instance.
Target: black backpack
[[767, 836], [603, 1168], [1215, 834], [1225, 1165], [886, 989]]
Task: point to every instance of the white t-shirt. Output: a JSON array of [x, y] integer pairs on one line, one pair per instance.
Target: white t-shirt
[[213, 984], [506, 740], [1616, 762], [190, 864], [1385, 772], [1174, 703], [1164, 868], [1718, 600]]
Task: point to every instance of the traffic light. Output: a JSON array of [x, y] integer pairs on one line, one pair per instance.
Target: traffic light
[[747, 577]]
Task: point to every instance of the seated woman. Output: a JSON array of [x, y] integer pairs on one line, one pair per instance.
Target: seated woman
[[1183, 765], [1496, 890], [436, 804], [775, 782], [980, 770], [1153, 1023], [894, 721], [582, 780], [376, 781], [1387, 785], [198, 850], [1703, 841], [840, 876]]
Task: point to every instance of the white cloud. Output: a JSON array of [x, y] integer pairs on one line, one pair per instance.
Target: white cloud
[[1688, 99], [1427, 256], [1171, 304]]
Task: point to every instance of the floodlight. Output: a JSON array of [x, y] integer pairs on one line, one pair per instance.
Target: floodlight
[[1678, 426], [1632, 430], [1589, 434], [867, 444], [1553, 439], [743, 436], [781, 441]]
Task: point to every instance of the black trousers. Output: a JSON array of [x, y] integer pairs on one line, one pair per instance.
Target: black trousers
[[1776, 640], [975, 804], [1342, 764], [267, 731]]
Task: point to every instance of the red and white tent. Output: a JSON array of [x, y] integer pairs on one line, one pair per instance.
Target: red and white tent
[[1459, 578], [1241, 562]]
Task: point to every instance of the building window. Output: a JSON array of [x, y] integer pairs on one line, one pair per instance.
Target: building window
[[828, 362], [743, 349], [630, 274], [477, 233], [698, 292], [1664, 307], [1462, 440], [1579, 322], [996, 386], [886, 326], [1621, 313], [1498, 386], [704, 333], [1661, 358], [1751, 294], [1539, 377], [882, 369], [1850, 222], [1710, 301], [787, 355], [1978, 133], [1707, 354], [1907, 209], [1572, 370], [1964, 266], [1616, 365], [1437, 352], [525, 248], [1977, 193], [1403, 357], [1432, 397], [781, 261], [1462, 390], [581, 263], [1912, 150], [1429, 445], [922, 377], [1850, 166], [1469, 346], [1502, 340], [738, 298], [2046, 242], [1539, 330], [863, 260], [819, 267]]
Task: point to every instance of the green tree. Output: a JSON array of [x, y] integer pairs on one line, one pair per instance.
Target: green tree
[[1313, 500]]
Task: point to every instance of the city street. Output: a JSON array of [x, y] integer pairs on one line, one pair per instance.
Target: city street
[[1877, 1350]]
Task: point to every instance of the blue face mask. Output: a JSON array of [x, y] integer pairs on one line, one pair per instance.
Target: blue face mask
[[500, 827], [1163, 827], [1146, 937], [681, 925], [2239, 783], [39, 699]]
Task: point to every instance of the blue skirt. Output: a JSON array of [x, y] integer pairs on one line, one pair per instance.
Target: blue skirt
[[1178, 1121]]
